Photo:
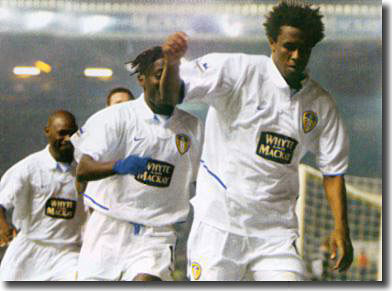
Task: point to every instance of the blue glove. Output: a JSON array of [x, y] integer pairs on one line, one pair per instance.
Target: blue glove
[[130, 165]]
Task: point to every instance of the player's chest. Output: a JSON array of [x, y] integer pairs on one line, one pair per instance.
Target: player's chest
[[168, 141], [53, 193]]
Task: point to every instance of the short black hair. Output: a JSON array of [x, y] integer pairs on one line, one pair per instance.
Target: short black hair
[[295, 13], [119, 90], [61, 114], [141, 64]]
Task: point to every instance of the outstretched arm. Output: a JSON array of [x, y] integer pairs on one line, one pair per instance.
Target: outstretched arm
[[90, 170], [340, 242], [174, 48]]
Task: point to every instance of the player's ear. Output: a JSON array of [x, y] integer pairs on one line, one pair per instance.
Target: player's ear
[[271, 43], [141, 79], [46, 131]]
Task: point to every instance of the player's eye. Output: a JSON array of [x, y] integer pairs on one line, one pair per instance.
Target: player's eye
[[290, 46]]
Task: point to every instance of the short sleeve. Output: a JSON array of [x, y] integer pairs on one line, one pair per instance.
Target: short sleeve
[[210, 78], [14, 186], [333, 146], [99, 137]]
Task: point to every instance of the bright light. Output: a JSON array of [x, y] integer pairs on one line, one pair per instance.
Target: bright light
[[98, 72], [231, 28], [39, 19], [5, 13], [42, 66], [95, 23], [26, 71]]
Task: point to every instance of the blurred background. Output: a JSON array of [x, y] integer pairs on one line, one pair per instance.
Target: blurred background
[[46, 47]]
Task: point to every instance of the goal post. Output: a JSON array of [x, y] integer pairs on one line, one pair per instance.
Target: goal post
[[364, 206]]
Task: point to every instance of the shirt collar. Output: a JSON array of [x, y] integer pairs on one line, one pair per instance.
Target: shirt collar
[[278, 79], [145, 112]]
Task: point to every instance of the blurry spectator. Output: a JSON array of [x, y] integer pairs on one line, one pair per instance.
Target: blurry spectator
[[119, 95]]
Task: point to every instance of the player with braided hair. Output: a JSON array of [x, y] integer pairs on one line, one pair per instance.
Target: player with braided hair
[[265, 114], [140, 159]]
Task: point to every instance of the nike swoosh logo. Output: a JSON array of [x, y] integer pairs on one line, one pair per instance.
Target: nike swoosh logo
[[138, 139]]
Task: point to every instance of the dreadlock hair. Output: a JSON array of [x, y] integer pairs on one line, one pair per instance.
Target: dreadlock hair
[[142, 63], [295, 13]]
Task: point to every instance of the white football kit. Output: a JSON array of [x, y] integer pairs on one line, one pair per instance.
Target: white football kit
[[49, 215], [256, 132], [144, 206]]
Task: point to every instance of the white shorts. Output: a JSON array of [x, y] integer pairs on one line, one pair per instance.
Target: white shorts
[[115, 250], [27, 260], [218, 255]]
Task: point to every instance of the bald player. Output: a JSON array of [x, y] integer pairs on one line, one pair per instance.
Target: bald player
[[46, 210]]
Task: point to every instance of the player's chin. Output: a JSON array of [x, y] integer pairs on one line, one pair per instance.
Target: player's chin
[[67, 151]]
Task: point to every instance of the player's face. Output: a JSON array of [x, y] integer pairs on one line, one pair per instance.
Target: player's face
[[58, 133], [151, 88], [119, 97], [290, 52]]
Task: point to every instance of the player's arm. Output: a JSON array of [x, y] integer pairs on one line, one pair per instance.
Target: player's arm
[[340, 243], [7, 232], [174, 48], [90, 170]]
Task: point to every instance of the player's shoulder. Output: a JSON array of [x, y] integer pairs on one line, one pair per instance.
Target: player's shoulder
[[187, 117], [319, 93], [320, 98], [26, 165], [110, 114], [236, 59], [189, 122]]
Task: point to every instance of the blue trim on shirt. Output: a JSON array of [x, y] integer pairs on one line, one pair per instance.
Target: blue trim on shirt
[[213, 175], [93, 201], [136, 227], [333, 175]]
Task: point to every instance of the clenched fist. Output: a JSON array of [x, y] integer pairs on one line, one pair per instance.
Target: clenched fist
[[175, 47]]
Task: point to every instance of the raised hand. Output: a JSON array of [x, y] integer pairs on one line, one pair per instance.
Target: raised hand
[[175, 47]]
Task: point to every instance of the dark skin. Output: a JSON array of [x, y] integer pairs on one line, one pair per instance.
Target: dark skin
[[290, 52], [91, 170], [61, 125]]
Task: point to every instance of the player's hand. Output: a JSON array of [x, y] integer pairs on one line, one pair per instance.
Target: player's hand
[[341, 250], [7, 234], [175, 47], [131, 165], [80, 186]]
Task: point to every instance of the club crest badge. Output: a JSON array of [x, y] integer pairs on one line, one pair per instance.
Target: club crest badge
[[309, 121], [183, 143], [196, 270]]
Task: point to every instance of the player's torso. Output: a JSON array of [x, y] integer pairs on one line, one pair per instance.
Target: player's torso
[[262, 139], [56, 212], [162, 190]]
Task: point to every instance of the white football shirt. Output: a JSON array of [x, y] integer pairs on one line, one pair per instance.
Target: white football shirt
[[160, 195], [256, 133], [42, 193]]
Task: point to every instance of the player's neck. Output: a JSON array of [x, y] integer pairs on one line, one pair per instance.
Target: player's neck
[[59, 157]]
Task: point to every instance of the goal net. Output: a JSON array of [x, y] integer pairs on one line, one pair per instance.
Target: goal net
[[364, 201]]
